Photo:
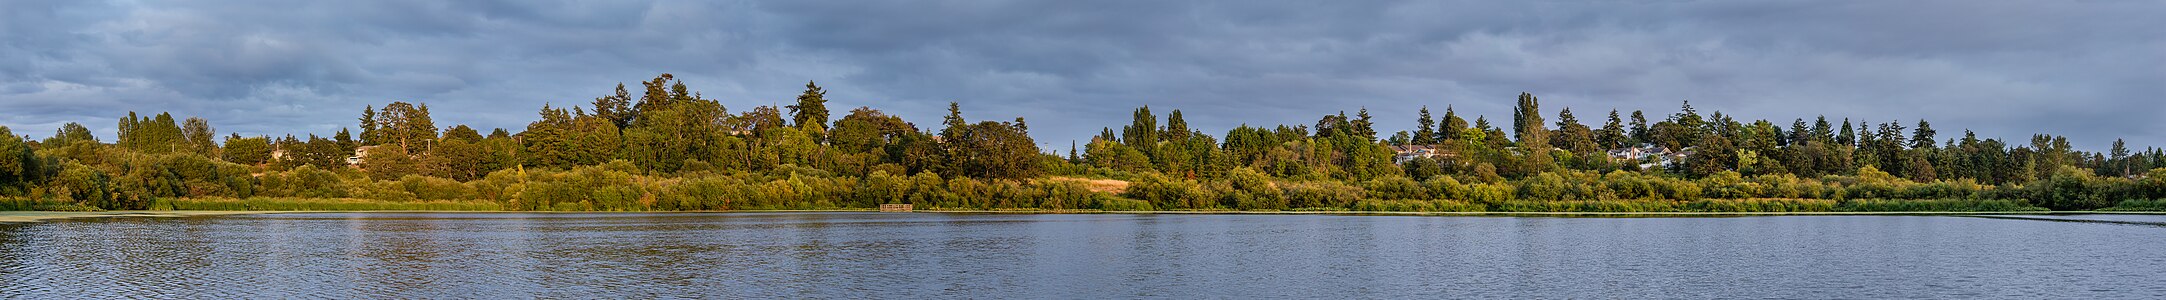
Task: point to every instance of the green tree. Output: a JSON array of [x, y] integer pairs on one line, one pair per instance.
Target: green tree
[[993, 150], [156, 135], [1612, 135], [197, 133], [1453, 126], [1640, 134], [1363, 126], [69, 134], [459, 159], [2120, 157], [1573, 136], [390, 163], [405, 124], [810, 113], [369, 134], [1425, 128], [247, 151], [617, 108], [1533, 137], [1142, 131], [547, 141], [20, 168], [1105, 153], [1849, 137], [1922, 137]]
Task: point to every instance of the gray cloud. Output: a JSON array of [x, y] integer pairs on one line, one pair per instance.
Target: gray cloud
[[2089, 70]]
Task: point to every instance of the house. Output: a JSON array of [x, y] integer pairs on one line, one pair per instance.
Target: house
[[358, 154], [1404, 153], [1651, 156]]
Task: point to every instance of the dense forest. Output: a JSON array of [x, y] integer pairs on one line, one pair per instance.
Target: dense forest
[[669, 148]]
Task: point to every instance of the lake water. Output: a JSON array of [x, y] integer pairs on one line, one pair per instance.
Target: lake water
[[927, 255]]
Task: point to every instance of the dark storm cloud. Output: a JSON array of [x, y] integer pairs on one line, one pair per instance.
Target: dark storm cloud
[[2089, 70]]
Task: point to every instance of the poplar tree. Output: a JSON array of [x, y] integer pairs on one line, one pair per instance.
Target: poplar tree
[[1142, 130]]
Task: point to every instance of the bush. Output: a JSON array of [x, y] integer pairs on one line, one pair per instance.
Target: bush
[[1863, 205], [1417, 206], [2139, 205], [1762, 205], [300, 204], [1107, 203], [1395, 187], [1320, 194]]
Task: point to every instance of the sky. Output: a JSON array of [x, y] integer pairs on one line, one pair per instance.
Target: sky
[[2090, 70]]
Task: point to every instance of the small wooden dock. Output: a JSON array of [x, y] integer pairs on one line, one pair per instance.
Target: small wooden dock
[[896, 207]]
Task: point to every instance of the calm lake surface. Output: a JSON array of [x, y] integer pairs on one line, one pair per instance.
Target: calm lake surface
[[927, 255]]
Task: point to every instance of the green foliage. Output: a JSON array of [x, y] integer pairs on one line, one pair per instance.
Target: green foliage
[[20, 167], [810, 112], [673, 150], [1936, 205], [1417, 206], [247, 151], [318, 204], [29, 204], [2139, 205]]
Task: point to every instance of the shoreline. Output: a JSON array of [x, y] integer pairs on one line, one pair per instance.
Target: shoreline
[[7, 217], [41, 216]]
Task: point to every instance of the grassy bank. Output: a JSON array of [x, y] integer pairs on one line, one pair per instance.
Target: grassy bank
[[2139, 205], [41, 216], [306, 204]]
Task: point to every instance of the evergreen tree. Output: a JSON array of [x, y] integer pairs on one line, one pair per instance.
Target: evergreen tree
[[1425, 128], [1363, 126], [1849, 137], [369, 134], [616, 108], [1800, 133], [1453, 127], [1612, 135], [2119, 158], [1572, 135], [810, 113], [1176, 127], [1822, 132], [1640, 136], [1922, 137]]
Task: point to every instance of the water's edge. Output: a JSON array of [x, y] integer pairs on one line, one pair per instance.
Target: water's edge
[[41, 216]]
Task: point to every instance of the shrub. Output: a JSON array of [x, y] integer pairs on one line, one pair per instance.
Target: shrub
[[1936, 205], [2139, 205]]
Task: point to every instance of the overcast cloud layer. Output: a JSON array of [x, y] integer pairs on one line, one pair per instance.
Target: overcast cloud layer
[[2093, 71]]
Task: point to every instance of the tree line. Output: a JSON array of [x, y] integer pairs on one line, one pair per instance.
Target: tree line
[[669, 148]]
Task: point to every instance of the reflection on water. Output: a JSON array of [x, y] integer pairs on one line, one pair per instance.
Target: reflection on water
[[873, 255]]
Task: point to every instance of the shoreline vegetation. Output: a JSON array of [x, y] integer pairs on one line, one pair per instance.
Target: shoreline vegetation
[[7, 217], [669, 149]]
